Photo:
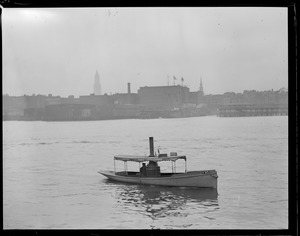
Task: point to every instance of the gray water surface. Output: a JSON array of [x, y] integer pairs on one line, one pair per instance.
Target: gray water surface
[[50, 178]]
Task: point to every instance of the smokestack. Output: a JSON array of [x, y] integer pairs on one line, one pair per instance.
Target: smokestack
[[151, 144], [128, 88]]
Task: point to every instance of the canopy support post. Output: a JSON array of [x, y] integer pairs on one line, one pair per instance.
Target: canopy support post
[[125, 166], [115, 165], [175, 166], [185, 165]]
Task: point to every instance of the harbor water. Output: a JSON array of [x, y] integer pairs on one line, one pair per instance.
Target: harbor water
[[50, 178]]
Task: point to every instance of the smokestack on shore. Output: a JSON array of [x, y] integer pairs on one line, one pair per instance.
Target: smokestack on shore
[[128, 88], [151, 144]]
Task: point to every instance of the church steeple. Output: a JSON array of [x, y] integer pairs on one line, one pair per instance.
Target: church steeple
[[201, 87], [97, 86]]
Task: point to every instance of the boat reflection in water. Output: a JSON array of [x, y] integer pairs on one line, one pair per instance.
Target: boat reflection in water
[[158, 202]]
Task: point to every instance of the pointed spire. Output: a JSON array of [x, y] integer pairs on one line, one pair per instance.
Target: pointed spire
[[97, 86], [97, 74], [201, 87]]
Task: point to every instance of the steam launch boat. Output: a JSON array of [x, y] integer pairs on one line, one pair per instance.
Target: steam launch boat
[[150, 174]]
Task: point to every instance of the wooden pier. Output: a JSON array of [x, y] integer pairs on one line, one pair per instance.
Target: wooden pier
[[237, 110]]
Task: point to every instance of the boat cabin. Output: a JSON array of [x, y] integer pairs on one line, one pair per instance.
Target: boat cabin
[[150, 167]]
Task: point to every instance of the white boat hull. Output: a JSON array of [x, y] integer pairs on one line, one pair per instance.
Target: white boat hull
[[200, 179]]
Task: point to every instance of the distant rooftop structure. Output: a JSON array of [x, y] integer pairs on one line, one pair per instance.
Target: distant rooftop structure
[[97, 86], [201, 87]]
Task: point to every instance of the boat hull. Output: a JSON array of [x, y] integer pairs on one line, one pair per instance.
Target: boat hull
[[200, 179]]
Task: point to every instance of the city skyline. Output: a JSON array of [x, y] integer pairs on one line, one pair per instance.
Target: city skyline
[[58, 51], [200, 89]]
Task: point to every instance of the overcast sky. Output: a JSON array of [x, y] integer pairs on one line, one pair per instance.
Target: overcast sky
[[58, 51]]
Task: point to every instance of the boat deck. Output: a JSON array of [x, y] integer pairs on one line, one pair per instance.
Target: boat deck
[[203, 179]]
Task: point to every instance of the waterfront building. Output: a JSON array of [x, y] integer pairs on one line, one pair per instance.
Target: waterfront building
[[126, 98], [97, 100], [164, 96], [13, 107], [127, 111], [149, 102], [69, 100], [35, 101], [61, 112], [51, 100]]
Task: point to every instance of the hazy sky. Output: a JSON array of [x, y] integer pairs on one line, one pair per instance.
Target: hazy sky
[[59, 50]]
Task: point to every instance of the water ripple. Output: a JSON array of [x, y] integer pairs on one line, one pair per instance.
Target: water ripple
[[50, 177]]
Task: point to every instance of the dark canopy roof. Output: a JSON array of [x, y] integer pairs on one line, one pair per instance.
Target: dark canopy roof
[[145, 158]]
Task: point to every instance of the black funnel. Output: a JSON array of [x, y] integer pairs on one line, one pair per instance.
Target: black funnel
[[151, 144]]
